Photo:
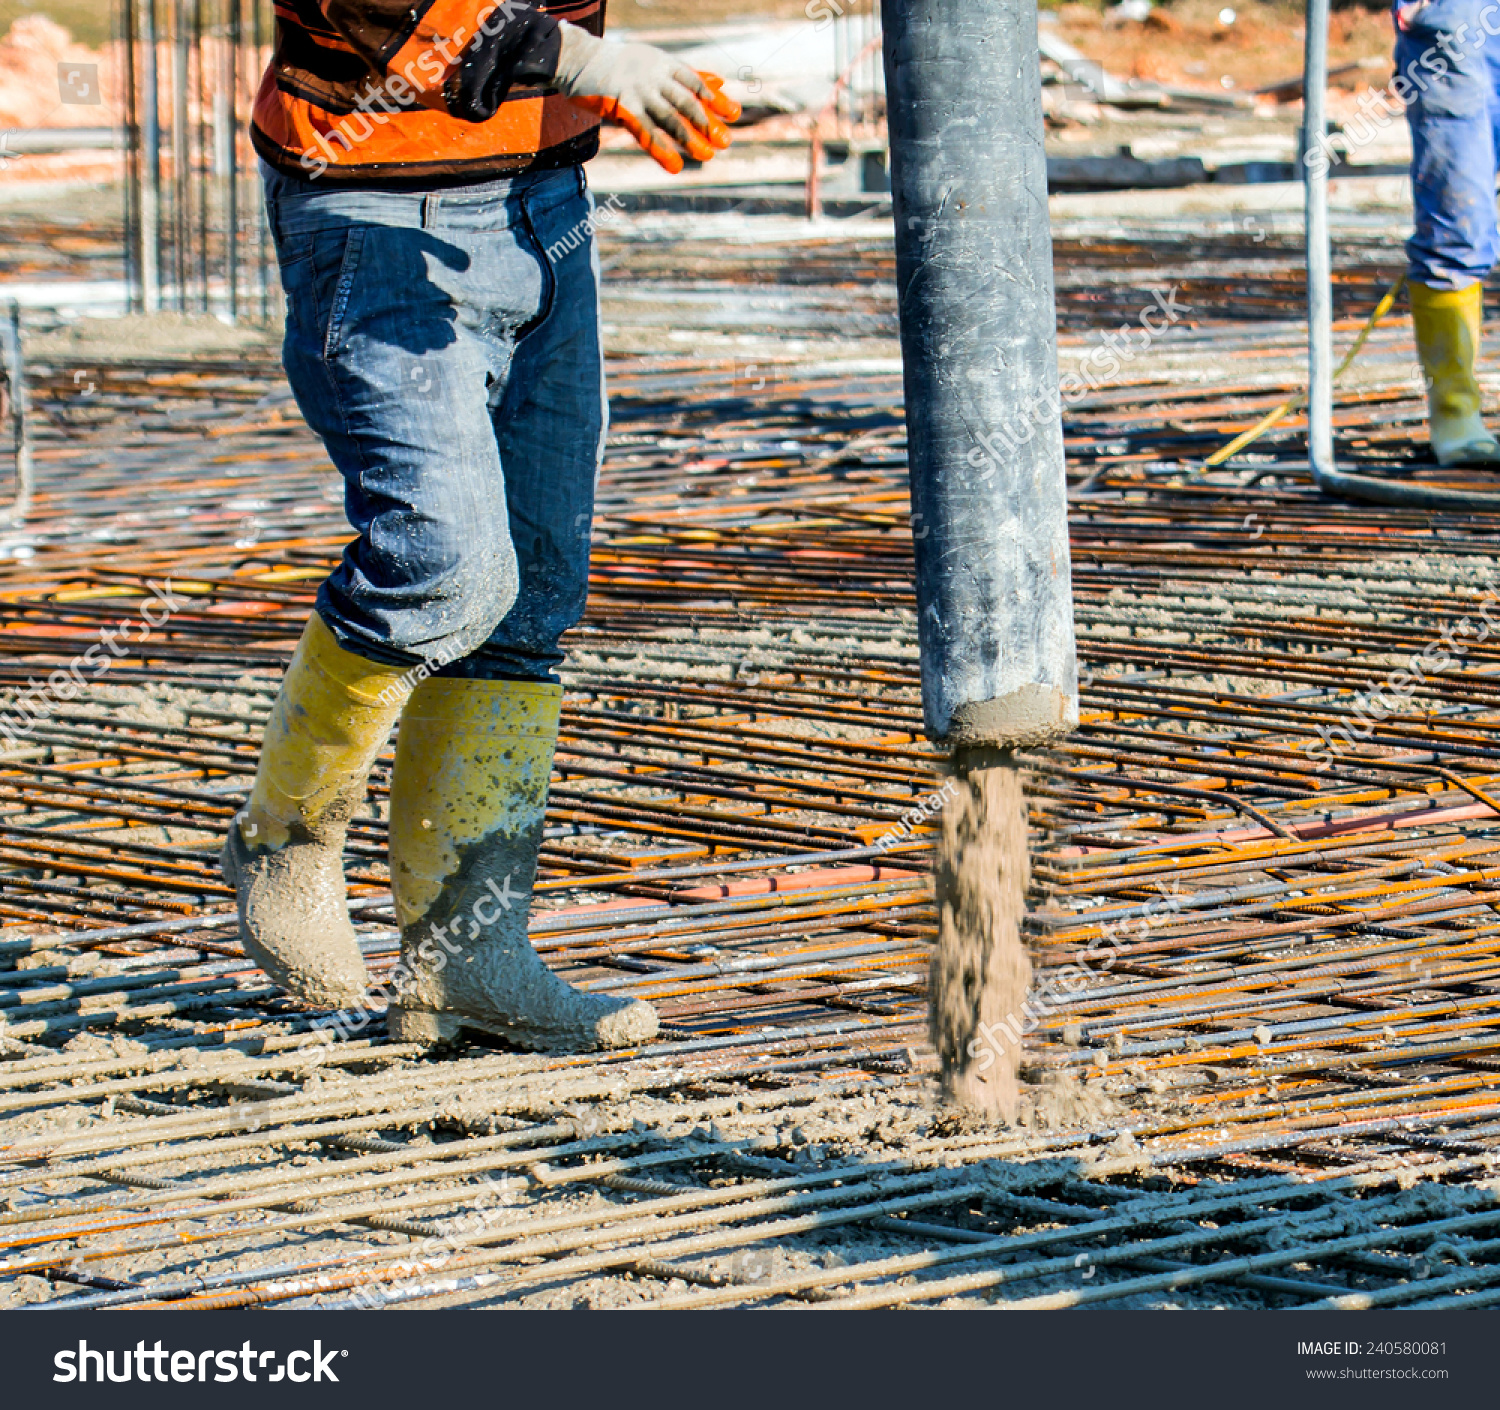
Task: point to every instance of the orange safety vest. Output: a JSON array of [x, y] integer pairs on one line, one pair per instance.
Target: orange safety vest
[[359, 91]]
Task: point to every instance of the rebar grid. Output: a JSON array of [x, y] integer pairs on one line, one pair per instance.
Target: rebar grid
[[1264, 1043]]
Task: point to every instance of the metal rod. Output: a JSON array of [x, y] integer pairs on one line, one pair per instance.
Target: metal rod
[[151, 253], [262, 229], [182, 225], [204, 154], [1320, 452], [131, 144], [17, 408], [745, 682], [234, 38]]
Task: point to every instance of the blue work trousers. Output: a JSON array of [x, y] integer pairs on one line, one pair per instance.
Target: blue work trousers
[[1448, 75], [445, 346]]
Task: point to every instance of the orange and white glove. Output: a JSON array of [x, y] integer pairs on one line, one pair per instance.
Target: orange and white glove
[[670, 109]]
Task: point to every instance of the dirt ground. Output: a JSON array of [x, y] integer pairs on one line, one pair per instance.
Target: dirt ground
[[1187, 44]]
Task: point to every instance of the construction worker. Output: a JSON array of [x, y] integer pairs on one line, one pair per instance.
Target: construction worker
[[1448, 77], [422, 165]]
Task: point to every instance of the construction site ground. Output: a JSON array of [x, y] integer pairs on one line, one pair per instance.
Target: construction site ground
[[1263, 1051]]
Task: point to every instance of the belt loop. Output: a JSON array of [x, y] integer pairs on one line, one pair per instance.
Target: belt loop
[[430, 205]]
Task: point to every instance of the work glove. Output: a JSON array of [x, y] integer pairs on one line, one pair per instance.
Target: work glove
[[667, 107]]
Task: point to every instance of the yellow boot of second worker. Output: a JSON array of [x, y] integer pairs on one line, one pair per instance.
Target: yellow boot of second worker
[[468, 796], [284, 853], [1447, 323]]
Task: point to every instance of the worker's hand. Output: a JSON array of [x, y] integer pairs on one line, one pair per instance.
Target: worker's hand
[[667, 107]]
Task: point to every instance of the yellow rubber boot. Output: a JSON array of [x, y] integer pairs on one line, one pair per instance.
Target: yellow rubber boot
[[473, 759], [284, 853], [1447, 322]]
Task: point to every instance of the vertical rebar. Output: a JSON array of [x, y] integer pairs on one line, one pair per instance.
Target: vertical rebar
[[134, 295], [840, 24], [181, 160], [204, 184], [262, 251], [232, 38], [867, 66], [150, 162], [16, 409]]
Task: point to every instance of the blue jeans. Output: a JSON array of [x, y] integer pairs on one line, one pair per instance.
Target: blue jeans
[[445, 346], [1455, 136]]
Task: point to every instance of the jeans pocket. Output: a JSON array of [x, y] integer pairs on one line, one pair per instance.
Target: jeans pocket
[[354, 242], [294, 254], [556, 230], [526, 235]]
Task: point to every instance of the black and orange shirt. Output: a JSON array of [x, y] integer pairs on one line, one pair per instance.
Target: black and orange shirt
[[425, 92]]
